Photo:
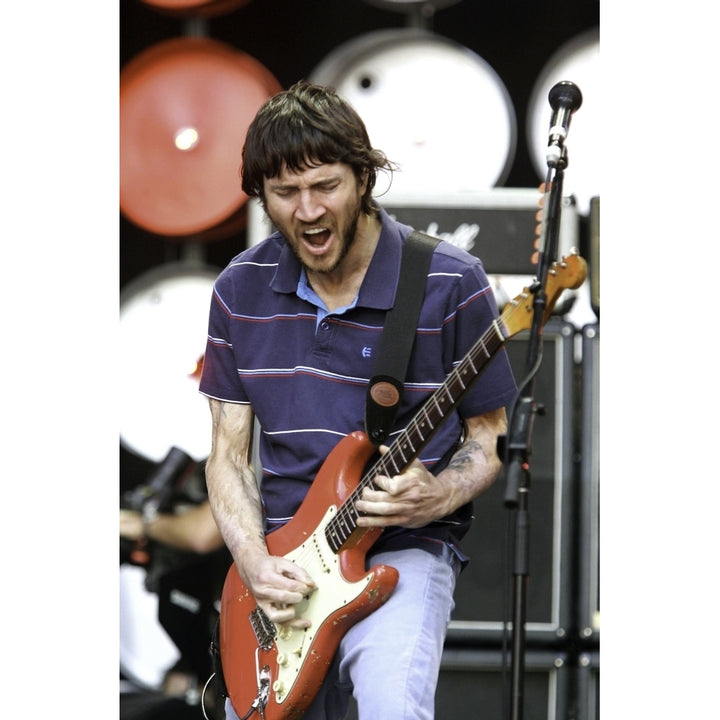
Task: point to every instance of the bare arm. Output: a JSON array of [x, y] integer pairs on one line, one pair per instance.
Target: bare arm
[[416, 497], [193, 529], [232, 486], [276, 583]]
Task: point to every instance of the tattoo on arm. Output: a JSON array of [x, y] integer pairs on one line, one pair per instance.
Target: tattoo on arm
[[465, 455]]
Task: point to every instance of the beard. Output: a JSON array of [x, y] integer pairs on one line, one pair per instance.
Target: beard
[[328, 264], [348, 240]]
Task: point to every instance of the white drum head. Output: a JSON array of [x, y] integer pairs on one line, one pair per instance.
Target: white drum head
[[434, 107], [146, 650], [163, 332], [579, 62]]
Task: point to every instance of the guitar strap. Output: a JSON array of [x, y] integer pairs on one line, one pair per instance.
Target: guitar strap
[[385, 388]]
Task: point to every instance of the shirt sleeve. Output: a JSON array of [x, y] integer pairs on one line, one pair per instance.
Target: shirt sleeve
[[219, 378]]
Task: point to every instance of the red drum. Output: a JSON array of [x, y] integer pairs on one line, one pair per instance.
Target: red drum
[[185, 107], [146, 650], [434, 107], [163, 331], [579, 62]]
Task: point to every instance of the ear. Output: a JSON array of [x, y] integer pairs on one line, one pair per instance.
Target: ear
[[363, 181]]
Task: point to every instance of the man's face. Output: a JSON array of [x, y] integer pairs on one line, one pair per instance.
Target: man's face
[[317, 211]]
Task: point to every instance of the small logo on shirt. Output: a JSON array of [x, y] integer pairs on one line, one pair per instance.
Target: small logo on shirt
[[367, 352]]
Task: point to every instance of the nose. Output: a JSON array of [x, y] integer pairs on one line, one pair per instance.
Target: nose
[[309, 207]]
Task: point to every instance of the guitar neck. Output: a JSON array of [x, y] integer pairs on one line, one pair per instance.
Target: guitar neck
[[434, 411]]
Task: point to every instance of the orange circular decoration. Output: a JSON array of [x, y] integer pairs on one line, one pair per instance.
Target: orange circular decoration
[[203, 8], [185, 107]]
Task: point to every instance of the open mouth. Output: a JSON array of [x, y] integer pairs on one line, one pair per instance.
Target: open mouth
[[317, 238]]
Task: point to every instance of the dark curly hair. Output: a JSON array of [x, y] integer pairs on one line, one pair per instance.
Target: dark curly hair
[[306, 126]]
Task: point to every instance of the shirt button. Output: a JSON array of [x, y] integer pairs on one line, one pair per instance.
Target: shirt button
[[325, 325]]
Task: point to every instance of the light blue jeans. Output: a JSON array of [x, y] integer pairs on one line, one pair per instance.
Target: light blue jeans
[[390, 661]]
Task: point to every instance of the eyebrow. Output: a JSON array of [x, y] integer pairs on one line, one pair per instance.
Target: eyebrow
[[287, 185]]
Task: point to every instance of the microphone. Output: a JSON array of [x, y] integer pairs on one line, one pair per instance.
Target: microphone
[[565, 98]]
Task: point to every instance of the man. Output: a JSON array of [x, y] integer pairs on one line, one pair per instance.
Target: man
[[295, 324]]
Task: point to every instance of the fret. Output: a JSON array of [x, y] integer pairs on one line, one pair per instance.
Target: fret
[[331, 535], [449, 395], [469, 370], [342, 519], [424, 413], [481, 345], [459, 379], [496, 326], [434, 398], [389, 457], [401, 452]]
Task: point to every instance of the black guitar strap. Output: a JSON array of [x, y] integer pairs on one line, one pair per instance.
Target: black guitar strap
[[385, 389]]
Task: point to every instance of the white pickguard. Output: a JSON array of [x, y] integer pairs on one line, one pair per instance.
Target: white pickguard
[[332, 592]]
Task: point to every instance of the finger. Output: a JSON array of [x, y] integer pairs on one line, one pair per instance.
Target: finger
[[387, 486], [398, 484], [291, 613], [300, 580], [376, 494], [282, 614]]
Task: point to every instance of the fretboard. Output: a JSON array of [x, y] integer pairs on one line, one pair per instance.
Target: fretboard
[[407, 446]]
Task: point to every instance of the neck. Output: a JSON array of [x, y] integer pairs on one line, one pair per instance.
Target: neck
[[340, 287]]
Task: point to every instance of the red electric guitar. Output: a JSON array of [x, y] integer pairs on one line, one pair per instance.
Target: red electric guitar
[[276, 671]]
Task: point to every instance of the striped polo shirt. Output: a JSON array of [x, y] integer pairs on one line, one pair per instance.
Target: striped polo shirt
[[305, 370]]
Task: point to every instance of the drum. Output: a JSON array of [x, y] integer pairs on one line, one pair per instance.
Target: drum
[[578, 61], [185, 107], [433, 106], [146, 650], [163, 331]]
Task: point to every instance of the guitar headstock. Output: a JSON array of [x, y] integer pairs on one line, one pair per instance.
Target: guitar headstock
[[566, 274]]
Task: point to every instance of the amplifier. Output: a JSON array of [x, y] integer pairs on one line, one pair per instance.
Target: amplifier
[[498, 226], [476, 683], [594, 259], [482, 596], [588, 686], [589, 489]]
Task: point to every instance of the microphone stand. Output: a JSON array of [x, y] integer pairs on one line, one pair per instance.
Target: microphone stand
[[517, 443]]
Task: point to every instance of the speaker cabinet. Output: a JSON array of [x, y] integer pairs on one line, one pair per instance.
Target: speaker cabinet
[[589, 504], [483, 602], [588, 686], [476, 684], [594, 262], [498, 227]]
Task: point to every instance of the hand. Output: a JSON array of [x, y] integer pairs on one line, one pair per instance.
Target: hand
[[279, 586], [131, 525], [412, 499]]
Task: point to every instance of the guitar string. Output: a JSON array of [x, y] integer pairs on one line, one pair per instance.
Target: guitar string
[[348, 513], [341, 527]]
